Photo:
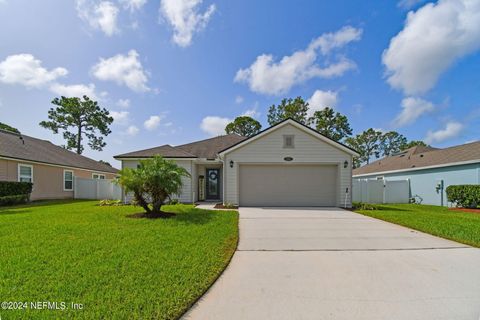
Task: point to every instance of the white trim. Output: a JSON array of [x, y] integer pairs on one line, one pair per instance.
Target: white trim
[[24, 165], [53, 165], [451, 164], [65, 171], [297, 125], [99, 175]]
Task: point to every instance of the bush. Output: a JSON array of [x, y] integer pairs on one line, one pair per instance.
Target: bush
[[464, 195], [364, 206], [173, 201], [229, 205], [11, 200], [13, 188], [106, 202]]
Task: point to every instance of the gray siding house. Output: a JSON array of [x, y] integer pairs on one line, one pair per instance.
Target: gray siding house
[[429, 170], [288, 164]]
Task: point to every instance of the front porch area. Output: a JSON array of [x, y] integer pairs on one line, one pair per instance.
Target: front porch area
[[207, 182]]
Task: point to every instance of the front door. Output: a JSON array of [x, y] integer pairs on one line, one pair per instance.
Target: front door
[[213, 184]]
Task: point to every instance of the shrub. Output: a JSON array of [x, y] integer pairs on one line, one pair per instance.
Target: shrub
[[229, 205], [364, 206], [107, 202], [173, 201], [13, 188], [15, 199], [465, 195]]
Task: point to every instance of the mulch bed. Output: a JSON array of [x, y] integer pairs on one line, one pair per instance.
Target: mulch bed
[[161, 215], [477, 211], [221, 206]]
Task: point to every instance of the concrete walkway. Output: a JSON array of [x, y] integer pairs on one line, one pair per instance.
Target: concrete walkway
[[335, 264]]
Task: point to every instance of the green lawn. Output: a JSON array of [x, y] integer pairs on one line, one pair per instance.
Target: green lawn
[[116, 267], [454, 225]]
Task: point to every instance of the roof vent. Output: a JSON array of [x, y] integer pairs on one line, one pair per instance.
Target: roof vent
[[421, 156], [21, 138]]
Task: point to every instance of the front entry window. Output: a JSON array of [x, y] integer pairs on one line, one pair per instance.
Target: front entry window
[[213, 184]]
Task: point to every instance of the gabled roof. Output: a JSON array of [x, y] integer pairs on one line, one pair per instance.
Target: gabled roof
[[297, 124], [207, 148], [166, 151], [420, 157], [23, 147]]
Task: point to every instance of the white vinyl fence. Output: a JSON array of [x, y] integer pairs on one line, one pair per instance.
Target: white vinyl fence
[[381, 191], [99, 189]]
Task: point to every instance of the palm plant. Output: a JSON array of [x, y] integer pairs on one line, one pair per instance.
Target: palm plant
[[152, 182]]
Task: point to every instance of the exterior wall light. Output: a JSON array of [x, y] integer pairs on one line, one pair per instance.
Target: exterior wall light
[[345, 164], [231, 163]]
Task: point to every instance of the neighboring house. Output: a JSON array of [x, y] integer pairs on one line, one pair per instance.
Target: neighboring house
[[288, 164], [430, 170], [51, 168]]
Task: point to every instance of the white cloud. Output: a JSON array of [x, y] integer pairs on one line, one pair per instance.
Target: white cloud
[[120, 117], [133, 5], [124, 70], [153, 122], [74, 90], [452, 130], [185, 18], [412, 109], [253, 113], [132, 130], [238, 99], [123, 103], [408, 4], [101, 15], [321, 99], [26, 70], [434, 37], [214, 126], [268, 76]]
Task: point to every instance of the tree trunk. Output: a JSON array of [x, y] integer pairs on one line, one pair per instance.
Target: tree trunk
[[79, 139], [142, 203]]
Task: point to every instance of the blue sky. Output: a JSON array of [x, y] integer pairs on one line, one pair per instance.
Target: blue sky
[[174, 71]]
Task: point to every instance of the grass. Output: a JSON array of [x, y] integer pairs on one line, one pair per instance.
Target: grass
[[454, 225], [116, 267]]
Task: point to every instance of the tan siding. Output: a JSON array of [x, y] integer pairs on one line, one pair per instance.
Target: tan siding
[[269, 149], [47, 179], [186, 194]]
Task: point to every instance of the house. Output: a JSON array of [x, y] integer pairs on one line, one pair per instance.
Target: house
[[288, 164], [51, 168], [429, 170]]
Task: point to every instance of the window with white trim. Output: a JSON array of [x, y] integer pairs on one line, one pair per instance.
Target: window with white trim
[[98, 176], [67, 180], [25, 173], [288, 141]]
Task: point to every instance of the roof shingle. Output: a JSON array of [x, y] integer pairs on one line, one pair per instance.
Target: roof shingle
[[418, 157], [207, 148], [22, 147]]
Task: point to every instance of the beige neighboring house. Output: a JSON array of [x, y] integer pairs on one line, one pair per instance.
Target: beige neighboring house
[[288, 164], [50, 168]]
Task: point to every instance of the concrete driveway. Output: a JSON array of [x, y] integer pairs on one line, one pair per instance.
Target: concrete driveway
[[334, 264]]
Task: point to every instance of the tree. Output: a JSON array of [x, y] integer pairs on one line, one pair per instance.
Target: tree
[[105, 162], [413, 143], [84, 117], [288, 108], [6, 127], [244, 126], [331, 124], [367, 144], [154, 181], [392, 142]]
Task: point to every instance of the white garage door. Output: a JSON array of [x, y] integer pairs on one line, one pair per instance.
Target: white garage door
[[288, 185]]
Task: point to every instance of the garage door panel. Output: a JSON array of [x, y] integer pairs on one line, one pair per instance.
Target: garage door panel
[[288, 185]]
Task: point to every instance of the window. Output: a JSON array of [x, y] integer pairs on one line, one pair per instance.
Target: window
[[25, 173], [67, 180], [98, 176], [288, 141]]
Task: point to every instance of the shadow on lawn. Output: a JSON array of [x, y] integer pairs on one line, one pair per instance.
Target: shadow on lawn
[[183, 215]]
